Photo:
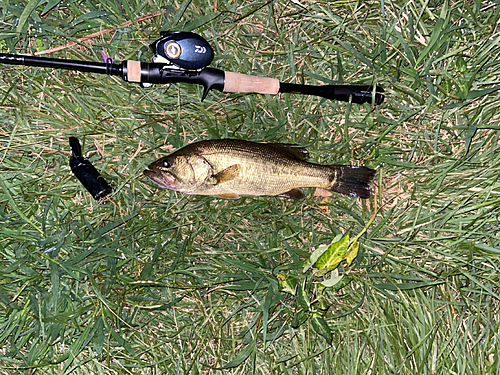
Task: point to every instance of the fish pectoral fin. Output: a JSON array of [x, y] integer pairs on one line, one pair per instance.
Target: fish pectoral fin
[[293, 194], [228, 174], [228, 196]]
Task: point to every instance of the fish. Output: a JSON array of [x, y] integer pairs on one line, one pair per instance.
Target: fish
[[231, 168]]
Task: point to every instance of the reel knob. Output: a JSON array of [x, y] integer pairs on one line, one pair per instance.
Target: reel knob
[[184, 49]]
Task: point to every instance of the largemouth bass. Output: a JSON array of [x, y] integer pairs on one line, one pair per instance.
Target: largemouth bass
[[230, 168]]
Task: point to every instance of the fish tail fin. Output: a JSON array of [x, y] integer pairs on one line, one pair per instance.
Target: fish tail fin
[[352, 180]]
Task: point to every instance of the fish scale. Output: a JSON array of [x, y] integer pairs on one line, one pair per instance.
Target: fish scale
[[265, 171]]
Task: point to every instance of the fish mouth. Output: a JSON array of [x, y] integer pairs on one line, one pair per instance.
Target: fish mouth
[[159, 178]]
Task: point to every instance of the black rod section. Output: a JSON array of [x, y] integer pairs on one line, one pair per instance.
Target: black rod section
[[45, 62], [360, 94]]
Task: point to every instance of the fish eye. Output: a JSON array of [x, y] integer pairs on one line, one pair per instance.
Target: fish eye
[[166, 164]]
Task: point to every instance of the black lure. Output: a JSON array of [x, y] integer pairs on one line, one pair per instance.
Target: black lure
[[86, 173]]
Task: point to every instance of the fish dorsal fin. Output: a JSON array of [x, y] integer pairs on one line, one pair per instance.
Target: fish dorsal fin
[[293, 194], [228, 196], [228, 174], [296, 151]]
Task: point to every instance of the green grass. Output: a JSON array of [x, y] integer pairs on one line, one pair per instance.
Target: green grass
[[154, 282]]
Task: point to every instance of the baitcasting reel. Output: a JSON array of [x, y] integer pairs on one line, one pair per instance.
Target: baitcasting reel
[[182, 50]]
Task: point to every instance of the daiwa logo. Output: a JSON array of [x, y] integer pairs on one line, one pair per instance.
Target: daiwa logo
[[199, 49]]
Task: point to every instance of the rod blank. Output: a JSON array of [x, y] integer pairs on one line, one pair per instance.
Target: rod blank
[[45, 62]]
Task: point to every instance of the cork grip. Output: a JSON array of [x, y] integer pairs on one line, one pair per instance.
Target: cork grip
[[236, 82], [133, 71]]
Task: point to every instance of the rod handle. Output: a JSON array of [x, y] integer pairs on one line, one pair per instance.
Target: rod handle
[[236, 82]]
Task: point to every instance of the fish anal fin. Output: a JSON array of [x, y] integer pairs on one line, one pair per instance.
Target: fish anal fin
[[228, 196], [228, 174], [293, 194], [297, 152]]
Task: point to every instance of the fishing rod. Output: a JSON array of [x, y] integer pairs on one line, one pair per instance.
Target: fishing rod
[[183, 57]]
